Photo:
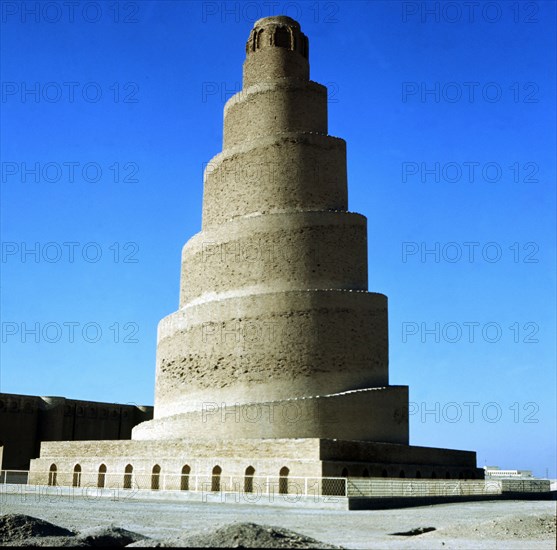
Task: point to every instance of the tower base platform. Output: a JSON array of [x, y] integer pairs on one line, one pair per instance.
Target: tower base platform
[[176, 464]]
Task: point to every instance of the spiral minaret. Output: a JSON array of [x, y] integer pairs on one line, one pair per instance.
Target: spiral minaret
[[276, 361], [273, 297]]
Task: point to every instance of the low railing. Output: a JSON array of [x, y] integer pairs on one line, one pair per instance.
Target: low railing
[[14, 476], [396, 487], [389, 487], [525, 485], [275, 485]]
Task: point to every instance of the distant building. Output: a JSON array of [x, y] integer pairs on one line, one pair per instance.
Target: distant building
[[496, 472], [26, 420]]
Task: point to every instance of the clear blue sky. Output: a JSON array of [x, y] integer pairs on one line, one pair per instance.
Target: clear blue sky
[[449, 118]]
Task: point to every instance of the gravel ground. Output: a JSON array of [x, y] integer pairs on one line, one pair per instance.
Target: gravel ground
[[482, 525]]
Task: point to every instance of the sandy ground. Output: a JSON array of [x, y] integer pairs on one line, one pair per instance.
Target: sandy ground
[[492, 524]]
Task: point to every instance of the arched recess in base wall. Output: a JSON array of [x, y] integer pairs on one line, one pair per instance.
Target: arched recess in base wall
[[76, 480], [101, 478], [52, 474], [283, 480], [215, 479], [248, 479], [128, 473], [155, 477], [185, 480]]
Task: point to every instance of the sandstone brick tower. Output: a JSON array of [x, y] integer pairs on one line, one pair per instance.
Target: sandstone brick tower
[[273, 301], [277, 358]]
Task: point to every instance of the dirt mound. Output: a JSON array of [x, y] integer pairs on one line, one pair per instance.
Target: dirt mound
[[18, 527], [520, 527], [529, 527], [240, 535], [252, 535], [41, 542], [108, 536], [22, 530]]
